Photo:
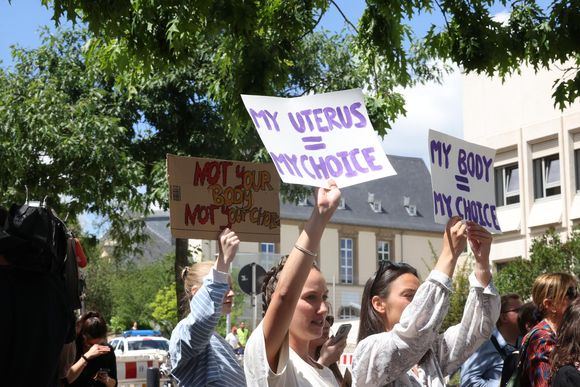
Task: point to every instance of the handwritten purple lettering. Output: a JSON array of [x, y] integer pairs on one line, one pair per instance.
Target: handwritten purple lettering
[[344, 163], [474, 165], [268, 118], [440, 150]]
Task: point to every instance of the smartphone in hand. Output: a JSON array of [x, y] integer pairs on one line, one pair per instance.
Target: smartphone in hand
[[341, 333], [103, 372]]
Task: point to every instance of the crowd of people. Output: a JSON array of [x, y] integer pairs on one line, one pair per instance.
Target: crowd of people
[[499, 341], [400, 341]]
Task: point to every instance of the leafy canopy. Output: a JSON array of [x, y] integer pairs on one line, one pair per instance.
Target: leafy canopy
[[260, 35]]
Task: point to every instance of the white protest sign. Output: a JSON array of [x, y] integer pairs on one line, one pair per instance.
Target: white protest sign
[[462, 177], [314, 138]]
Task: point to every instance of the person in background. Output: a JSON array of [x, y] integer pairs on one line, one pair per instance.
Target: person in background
[[199, 355], [95, 363], [326, 352], [135, 326], [484, 367], [294, 295], [552, 293], [399, 342], [243, 334], [565, 357], [528, 317], [232, 339]]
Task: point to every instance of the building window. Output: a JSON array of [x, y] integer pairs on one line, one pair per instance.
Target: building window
[[346, 260], [347, 312], [267, 248], [577, 168], [547, 176], [383, 251], [499, 266], [507, 185]]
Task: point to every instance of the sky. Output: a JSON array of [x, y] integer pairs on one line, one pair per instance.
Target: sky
[[429, 106]]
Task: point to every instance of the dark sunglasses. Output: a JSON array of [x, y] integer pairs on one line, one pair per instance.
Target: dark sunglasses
[[571, 293], [330, 320], [383, 267]]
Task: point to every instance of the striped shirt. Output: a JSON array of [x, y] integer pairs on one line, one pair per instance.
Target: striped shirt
[[199, 356]]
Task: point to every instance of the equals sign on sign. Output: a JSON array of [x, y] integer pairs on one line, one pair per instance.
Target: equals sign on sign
[[313, 143], [462, 182]]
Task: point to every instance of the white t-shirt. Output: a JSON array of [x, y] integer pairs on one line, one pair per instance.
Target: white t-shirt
[[233, 340], [292, 371]]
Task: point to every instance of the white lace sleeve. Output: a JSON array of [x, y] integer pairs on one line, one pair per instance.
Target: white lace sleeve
[[479, 317], [383, 357]]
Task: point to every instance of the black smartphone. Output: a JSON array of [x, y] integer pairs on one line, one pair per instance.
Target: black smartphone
[[341, 333]]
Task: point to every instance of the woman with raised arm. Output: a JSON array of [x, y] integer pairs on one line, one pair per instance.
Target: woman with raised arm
[[399, 343], [200, 356], [294, 294]]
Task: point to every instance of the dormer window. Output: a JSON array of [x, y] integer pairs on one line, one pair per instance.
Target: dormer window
[[342, 204], [376, 206], [411, 210]]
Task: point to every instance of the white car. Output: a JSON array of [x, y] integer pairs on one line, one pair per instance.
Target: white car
[[140, 342]]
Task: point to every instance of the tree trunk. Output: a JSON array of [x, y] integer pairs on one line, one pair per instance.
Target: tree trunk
[[181, 252]]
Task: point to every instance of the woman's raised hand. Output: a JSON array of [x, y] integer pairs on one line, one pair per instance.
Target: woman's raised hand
[[327, 200], [228, 242], [455, 238], [480, 241], [454, 242]]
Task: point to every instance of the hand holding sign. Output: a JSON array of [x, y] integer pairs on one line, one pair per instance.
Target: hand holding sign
[[327, 200], [480, 241], [228, 247]]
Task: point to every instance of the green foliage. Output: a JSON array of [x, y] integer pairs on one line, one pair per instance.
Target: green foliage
[[164, 309], [117, 325], [459, 295], [548, 253], [65, 132], [127, 292]]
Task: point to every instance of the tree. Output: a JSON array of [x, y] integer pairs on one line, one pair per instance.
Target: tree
[[548, 253], [260, 34], [164, 309], [66, 134]]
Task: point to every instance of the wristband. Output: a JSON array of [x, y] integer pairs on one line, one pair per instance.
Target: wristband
[[305, 251], [85, 358]]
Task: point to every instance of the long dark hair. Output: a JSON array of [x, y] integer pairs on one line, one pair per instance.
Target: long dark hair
[[567, 349], [379, 285]]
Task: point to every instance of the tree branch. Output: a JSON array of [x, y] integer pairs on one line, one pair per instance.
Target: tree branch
[[344, 16]]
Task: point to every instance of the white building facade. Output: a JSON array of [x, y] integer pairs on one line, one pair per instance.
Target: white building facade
[[537, 166]]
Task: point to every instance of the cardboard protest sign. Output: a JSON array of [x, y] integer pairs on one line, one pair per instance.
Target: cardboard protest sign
[[207, 195], [314, 138], [463, 181]]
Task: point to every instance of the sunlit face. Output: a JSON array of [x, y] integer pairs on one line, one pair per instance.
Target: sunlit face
[[228, 299], [309, 316], [402, 291]]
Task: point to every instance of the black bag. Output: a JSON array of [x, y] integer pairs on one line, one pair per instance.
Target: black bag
[[34, 238], [510, 361], [31, 239]]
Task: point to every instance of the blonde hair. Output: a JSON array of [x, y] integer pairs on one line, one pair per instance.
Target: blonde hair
[[193, 276], [551, 286]]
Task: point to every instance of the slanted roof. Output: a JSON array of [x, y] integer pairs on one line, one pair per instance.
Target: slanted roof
[[412, 180]]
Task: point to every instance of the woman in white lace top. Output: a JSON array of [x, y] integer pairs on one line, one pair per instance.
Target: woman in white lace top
[[399, 339]]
